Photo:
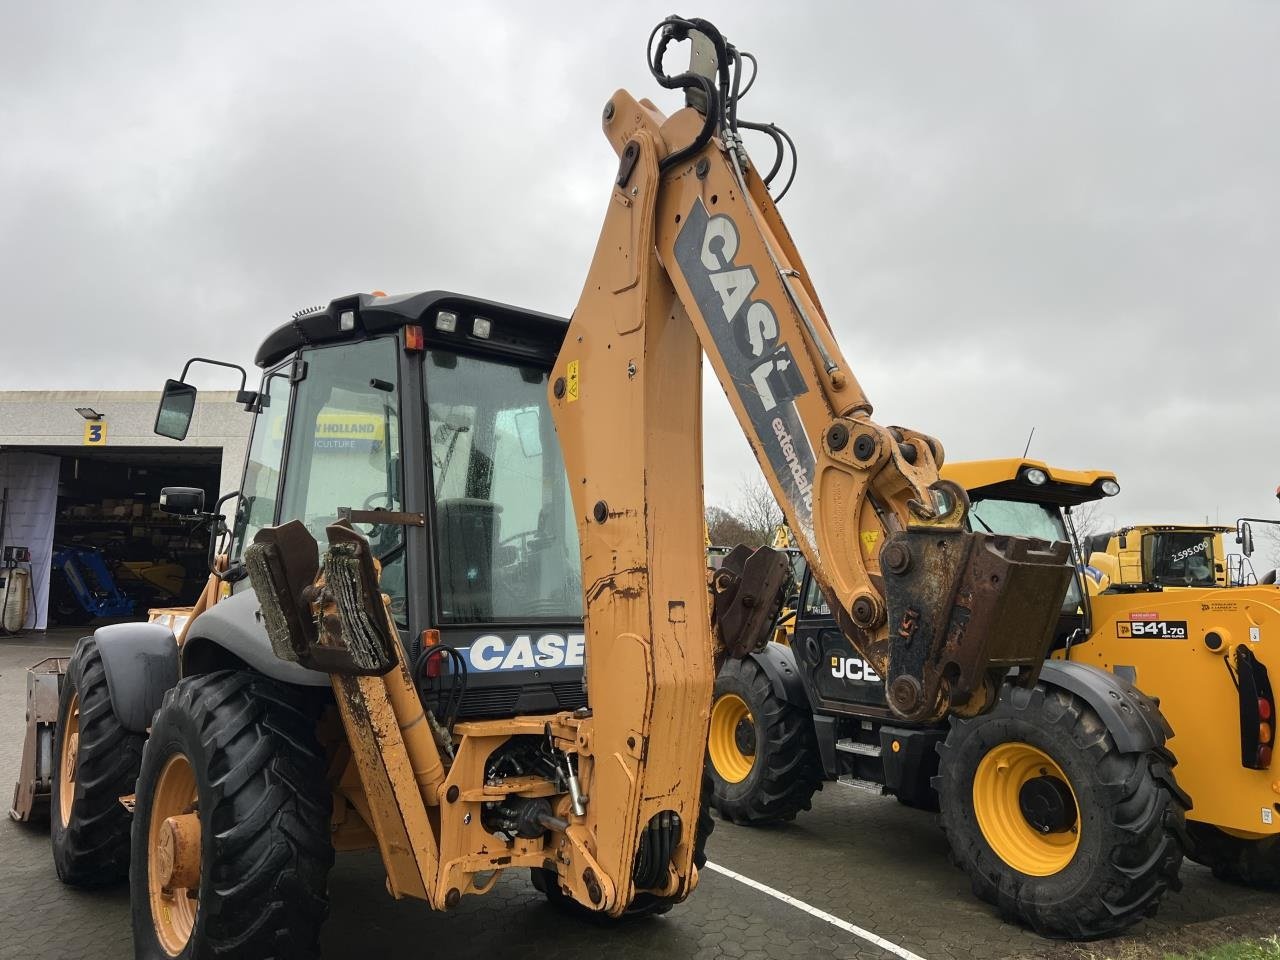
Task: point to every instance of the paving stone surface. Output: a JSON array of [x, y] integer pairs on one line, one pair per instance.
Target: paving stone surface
[[865, 859]]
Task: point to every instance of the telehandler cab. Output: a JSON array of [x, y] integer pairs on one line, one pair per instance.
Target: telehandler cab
[[485, 477]]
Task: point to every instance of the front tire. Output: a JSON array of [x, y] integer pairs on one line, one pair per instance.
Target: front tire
[[762, 752], [1053, 824], [1251, 861], [231, 850], [97, 763]]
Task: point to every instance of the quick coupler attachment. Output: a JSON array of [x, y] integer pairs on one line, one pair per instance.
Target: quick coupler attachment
[[747, 594], [333, 623], [966, 611]]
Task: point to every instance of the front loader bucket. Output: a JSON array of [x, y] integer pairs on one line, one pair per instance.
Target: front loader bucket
[[965, 610], [36, 771]]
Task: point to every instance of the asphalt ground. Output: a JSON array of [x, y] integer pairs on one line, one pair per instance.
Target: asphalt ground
[[861, 867]]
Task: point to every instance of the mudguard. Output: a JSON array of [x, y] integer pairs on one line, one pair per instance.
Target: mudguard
[[141, 664], [1133, 718], [778, 662], [234, 625]]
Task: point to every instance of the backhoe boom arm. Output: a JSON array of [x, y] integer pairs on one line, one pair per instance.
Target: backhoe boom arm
[[694, 258]]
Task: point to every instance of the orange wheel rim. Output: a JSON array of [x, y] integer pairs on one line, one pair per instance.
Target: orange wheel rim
[[171, 886], [68, 758]]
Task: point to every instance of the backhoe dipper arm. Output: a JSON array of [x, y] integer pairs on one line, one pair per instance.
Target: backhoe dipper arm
[[693, 257]]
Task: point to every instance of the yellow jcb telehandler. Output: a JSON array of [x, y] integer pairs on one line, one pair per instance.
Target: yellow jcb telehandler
[[510, 502]]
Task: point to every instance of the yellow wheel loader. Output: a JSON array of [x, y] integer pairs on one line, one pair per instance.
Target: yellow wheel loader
[[504, 657], [1060, 803]]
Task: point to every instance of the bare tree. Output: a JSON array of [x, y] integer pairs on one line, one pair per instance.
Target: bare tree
[[758, 510], [726, 529], [1089, 520]]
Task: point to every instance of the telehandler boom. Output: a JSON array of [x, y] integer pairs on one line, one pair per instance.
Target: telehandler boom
[[604, 803]]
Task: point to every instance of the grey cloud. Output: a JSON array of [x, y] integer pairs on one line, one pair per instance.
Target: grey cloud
[[1062, 215]]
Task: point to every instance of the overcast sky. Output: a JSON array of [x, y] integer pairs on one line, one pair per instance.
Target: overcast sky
[[1061, 215]]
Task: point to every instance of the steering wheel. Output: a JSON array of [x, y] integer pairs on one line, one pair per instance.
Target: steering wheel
[[380, 495]]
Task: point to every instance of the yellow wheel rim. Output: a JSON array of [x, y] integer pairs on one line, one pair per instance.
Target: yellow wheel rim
[[173, 876], [732, 744], [1032, 834], [68, 758]]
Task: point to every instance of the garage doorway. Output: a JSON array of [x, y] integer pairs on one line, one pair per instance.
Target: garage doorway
[[114, 555]]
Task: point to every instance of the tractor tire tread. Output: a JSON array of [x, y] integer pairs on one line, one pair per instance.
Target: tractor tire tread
[[1143, 826], [93, 849], [266, 893], [792, 770], [1255, 863]]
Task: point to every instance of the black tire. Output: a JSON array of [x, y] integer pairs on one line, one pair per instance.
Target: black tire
[[264, 806], [92, 848], [787, 769], [1130, 810], [645, 904], [1235, 859]]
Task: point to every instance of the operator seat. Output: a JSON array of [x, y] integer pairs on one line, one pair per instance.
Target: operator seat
[[467, 530]]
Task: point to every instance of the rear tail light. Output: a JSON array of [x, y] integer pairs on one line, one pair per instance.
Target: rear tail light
[[414, 339], [1257, 708], [431, 638]]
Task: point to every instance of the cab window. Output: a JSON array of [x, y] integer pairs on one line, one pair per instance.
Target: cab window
[[505, 536], [1180, 559], [344, 450]]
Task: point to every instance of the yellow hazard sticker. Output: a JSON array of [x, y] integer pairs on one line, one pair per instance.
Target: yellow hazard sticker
[[571, 385], [869, 538]]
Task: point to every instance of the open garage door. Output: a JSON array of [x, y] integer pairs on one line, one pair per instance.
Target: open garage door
[[114, 554]]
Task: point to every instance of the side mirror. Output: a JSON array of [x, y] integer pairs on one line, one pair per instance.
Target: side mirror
[[182, 501], [1244, 537], [173, 419]]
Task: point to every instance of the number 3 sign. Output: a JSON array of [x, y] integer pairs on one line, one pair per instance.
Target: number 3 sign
[[95, 433]]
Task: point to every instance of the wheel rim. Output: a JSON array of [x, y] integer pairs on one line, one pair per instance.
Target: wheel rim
[[1026, 809], [732, 741], [68, 758], [173, 861]]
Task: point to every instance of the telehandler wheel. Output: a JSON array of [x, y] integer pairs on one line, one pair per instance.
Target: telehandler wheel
[[231, 850], [97, 763], [1251, 860], [762, 753], [644, 905], [1052, 823]]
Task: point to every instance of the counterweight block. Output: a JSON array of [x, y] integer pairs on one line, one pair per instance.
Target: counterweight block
[[965, 610]]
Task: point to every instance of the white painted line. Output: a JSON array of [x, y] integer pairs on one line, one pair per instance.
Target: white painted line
[[813, 911]]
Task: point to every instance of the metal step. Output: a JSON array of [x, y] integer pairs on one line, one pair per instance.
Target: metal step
[[859, 784], [858, 747]]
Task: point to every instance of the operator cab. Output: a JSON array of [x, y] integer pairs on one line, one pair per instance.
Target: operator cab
[[423, 419]]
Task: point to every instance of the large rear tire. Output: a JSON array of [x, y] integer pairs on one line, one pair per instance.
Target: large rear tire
[[97, 763], [1053, 824], [1255, 862], [762, 752], [231, 850]]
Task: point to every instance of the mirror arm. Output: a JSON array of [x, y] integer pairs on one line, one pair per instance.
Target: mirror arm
[[217, 527], [251, 399]]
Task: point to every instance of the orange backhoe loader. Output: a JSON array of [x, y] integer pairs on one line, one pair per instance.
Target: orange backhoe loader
[[401, 690]]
